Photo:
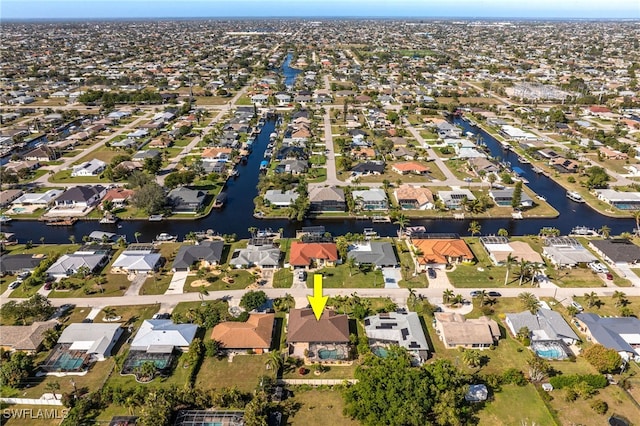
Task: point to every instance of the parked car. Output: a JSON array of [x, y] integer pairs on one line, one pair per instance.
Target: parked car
[[24, 275], [609, 276], [14, 284], [494, 294], [475, 293], [577, 306], [431, 273], [48, 285], [301, 274]]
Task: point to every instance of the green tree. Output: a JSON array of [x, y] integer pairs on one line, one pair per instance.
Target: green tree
[[516, 199], [150, 198], [447, 296], [471, 357], [538, 368], [474, 228], [274, 361], [510, 260], [402, 221], [253, 300], [503, 232], [605, 231], [592, 299], [529, 301], [16, 369], [603, 359]]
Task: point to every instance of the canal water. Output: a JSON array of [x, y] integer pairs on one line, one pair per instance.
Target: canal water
[[289, 73]]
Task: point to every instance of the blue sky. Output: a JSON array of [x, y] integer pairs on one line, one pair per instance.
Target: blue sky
[[56, 9]]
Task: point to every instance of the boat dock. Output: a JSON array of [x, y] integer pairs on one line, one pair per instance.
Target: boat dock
[[381, 219]]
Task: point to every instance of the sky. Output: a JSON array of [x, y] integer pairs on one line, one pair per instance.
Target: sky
[[96, 9]]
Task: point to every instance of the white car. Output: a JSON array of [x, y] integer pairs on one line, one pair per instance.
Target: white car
[[14, 285], [598, 268], [577, 306]]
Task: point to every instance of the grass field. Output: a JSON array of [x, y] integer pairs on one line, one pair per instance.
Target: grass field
[[319, 407], [244, 372], [515, 405], [340, 277]]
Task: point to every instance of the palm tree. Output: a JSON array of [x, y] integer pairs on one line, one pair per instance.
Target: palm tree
[[458, 299], [508, 262], [202, 292], [535, 269], [109, 313], [252, 230], [592, 299], [572, 311], [620, 298], [503, 232], [482, 297], [525, 267], [529, 301], [605, 231], [447, 296], [402, 221], [412, 295], [274, 361], [72, 238], [136, 235], [53, 387], [474, 228], [471, 357], [351, 263]]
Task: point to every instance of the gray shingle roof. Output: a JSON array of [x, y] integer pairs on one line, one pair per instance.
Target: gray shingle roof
[[544, 325], [609, 331], [211, 251], [376, 253]]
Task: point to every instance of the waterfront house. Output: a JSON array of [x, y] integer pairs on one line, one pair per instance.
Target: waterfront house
[[327, 199], [400, 329], [206, 254], [440, 252], [118, 196], [91, 259], [378, 254], [371, 199], [454, 199], [278, 198], [566, 252], [499, 248], [38, 198], [617, 251], [8, 196], [42, 154], [293, 166], [504, 198], [309, 255], [411, 197], [456, 331], [81, 196], [137, 259], [321, 340], [13, 264], [186, 200], [252, 336], [619, 199]]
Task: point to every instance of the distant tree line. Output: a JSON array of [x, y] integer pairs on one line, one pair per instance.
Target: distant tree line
[[109, 99]]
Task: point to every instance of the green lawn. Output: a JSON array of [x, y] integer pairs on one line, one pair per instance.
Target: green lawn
[[283, 278], [117, 285], [244, 372], [19, 415], [132, 315], [515, 405], [241, 279], [340, 277], [319, 406], [179, 377], [157, 284]]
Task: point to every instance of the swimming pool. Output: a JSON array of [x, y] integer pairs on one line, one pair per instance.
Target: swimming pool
[[66, 362], [550, 353], [19, 209], [380, 351], [549, 350], [328, 354], [159, 363]]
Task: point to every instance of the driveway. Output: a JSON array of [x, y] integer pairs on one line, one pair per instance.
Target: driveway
[[136, 285], [176, 286], [391, 277], [626, 272], [440, 281]]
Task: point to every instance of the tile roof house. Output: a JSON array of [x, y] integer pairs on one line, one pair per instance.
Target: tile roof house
[[327, 199], [118, 196], [499, 248], [457, 331], [617, 250], [25, 338], [15, 263], [404, 168], [81, 196], [621, 334], [42, 153], [293, 166], [312, 254], [544, 325], [8, 196], [208, 253], [323, 340], [380, 254], [253, 335], [163, 336], [371, 199], [440, 252], [278, 198], [186, 200], [414, 197], [263, 256], [95, 339], [401, 329]]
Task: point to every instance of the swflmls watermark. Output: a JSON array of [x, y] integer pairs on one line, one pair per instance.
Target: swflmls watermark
[[35, 413]]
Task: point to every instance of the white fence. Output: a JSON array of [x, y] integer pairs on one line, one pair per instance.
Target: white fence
[[316, 382], [32, 401]]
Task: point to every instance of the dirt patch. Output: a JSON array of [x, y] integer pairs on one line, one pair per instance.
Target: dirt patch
[[200, 283]]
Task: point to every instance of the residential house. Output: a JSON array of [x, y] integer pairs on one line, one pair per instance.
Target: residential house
[[368, 168], [407, 167], [206, 253], [483, 165], [327, 199], [143, 155], [499, 249], [25, 338], [448, 130], [619, 333], [323, 340], [546, 327], [186, 200], [163, 336], [440, 252], [411, 197], [216, 154], [259, 98], [370, 199], [617, 251], [400, 329], [612, 154], [253, 335], [403, 153], [8, 196], [278, 198], [90, 258], [565, 165], [456, 331], [81, 196], [504, 198], [95, 339], [620, 200], [118, 196], [454, 199], [43, 153], [283, 99], [309, 255], [38, 198], [13, 264], [89, 168], [262, 256], [378, 254], [566, 252], [292, 166], [137, 259]]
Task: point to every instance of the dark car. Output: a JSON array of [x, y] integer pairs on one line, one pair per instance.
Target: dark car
[[494, 294], [431, 273], [475, 293], [609, 276], [47, 285]]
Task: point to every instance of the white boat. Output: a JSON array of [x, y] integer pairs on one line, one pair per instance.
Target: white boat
[[574, 196], [155, 218], [5, 219], [584, 231], [541, 197], [166, 237]]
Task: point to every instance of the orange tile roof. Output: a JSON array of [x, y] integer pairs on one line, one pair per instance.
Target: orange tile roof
[[438, 250], [302, 254], [118, 194], [215, 152], [303, 327], [254, 334], [410, 166]]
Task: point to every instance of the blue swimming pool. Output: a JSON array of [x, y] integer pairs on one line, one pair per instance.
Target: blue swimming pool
[[380, 351], [328, 354]]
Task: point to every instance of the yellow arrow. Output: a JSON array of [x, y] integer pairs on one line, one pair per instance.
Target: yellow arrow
[[317, 301]]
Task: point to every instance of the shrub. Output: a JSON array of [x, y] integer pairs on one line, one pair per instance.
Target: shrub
[[302, 371], [603, 359], [596, 381], [599, 406], [514, 376], [570, 395]]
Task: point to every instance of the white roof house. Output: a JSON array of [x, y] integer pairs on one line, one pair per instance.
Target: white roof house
[[136, 261], [89, 168], [69, 264], [279, 198], [162, 336], [93, 338], [43, 198]]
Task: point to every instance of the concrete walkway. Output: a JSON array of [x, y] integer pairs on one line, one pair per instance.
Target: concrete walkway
[[176, 286]]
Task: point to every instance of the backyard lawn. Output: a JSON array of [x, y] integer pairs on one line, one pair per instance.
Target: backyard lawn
[[515, 405], [244, 372], [319, 406]]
